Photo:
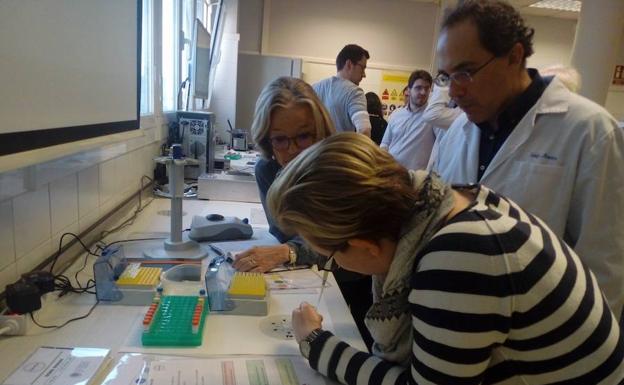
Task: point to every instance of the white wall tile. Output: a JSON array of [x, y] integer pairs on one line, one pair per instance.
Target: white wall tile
[[34, 257], [107, 207], [31, 215], [56, 237], [148, 153], [88, 191], [8, 275], [126, 167], [88, 220], [135, 165], [64, 202], [109, 180], [7, 245], [11, 184]]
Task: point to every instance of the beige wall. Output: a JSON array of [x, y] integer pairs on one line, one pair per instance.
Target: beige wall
[[398, 34], [552, 41], [395, 32]]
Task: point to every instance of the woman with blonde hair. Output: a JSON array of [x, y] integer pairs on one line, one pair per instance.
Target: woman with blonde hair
[[289, 117], [469, 288]]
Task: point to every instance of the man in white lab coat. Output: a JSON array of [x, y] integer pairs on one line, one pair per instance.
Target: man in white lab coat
[[557, 154]]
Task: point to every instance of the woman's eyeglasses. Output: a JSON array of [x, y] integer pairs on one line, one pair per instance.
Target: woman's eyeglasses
[[283, 142]]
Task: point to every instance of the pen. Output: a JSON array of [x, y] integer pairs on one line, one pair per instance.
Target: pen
[[220, 253]]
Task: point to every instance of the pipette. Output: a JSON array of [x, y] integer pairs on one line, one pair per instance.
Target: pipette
[[325, 274], [326, 269]]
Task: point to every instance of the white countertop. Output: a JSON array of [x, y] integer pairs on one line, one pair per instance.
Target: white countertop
[[119, 327]]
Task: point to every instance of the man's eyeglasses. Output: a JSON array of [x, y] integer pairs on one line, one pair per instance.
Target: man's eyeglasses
[[461, 78], [282, 142]]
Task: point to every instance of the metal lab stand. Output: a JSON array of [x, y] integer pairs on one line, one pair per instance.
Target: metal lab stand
[[178, 245]]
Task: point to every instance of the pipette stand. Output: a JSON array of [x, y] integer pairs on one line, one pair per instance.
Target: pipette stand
[[178, 245]]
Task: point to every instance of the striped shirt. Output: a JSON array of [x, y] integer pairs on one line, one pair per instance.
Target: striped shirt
[[496, 298]]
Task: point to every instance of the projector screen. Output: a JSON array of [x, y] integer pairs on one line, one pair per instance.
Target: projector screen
[[70, 71]]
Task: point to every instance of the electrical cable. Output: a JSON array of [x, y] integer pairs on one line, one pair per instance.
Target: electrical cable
[[188, 91], [63, 284], [32, 317], [60, 249], [133, 240], [179, 95]]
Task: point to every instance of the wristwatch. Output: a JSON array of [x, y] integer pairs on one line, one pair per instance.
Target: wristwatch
[[304, 344], [292, 256]]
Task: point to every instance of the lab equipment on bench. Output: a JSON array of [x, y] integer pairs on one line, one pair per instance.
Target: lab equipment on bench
[[178, 245], [216, 227], [197, 140], [233, 292], [175, 321], [117, 280]]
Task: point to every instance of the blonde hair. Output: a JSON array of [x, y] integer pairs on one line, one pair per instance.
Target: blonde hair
[[568, 76], [284, 92], [341, 188]]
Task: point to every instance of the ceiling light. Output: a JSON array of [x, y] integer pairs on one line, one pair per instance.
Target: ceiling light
[[559, 5]]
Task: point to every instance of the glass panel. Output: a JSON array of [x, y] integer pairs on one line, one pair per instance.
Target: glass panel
[[169, 58], [185, 53], [147, 94]]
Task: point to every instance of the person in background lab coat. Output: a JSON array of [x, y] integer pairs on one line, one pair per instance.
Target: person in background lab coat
[[555, 153], [441, 112], [568, 76]]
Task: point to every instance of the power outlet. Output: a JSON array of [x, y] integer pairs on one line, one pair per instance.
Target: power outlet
[[18, 324]]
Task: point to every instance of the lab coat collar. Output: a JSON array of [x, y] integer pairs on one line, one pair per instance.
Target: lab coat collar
[[553, 100]]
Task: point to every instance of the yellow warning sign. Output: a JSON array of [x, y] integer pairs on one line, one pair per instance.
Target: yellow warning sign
[[394, 94], [395, 78], [391, 90]]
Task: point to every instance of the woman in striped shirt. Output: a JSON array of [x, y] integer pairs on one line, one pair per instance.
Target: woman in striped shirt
[[468, 287]]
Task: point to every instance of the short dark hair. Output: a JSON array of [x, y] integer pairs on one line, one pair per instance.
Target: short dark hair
[[373, 104], [419, 74], [351, 52], [499, 25]]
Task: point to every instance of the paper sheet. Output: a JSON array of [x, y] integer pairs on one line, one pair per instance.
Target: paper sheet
[[284, 370], [135, 368], [295, 279], [60, 366]]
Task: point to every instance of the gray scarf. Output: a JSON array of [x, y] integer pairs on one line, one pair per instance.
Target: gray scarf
[[389, 318]]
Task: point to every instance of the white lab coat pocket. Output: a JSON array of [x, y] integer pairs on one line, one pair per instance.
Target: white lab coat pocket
[[541, 190]]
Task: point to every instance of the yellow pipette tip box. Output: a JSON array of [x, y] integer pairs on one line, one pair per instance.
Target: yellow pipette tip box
[[248, 285], [136, 275]]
